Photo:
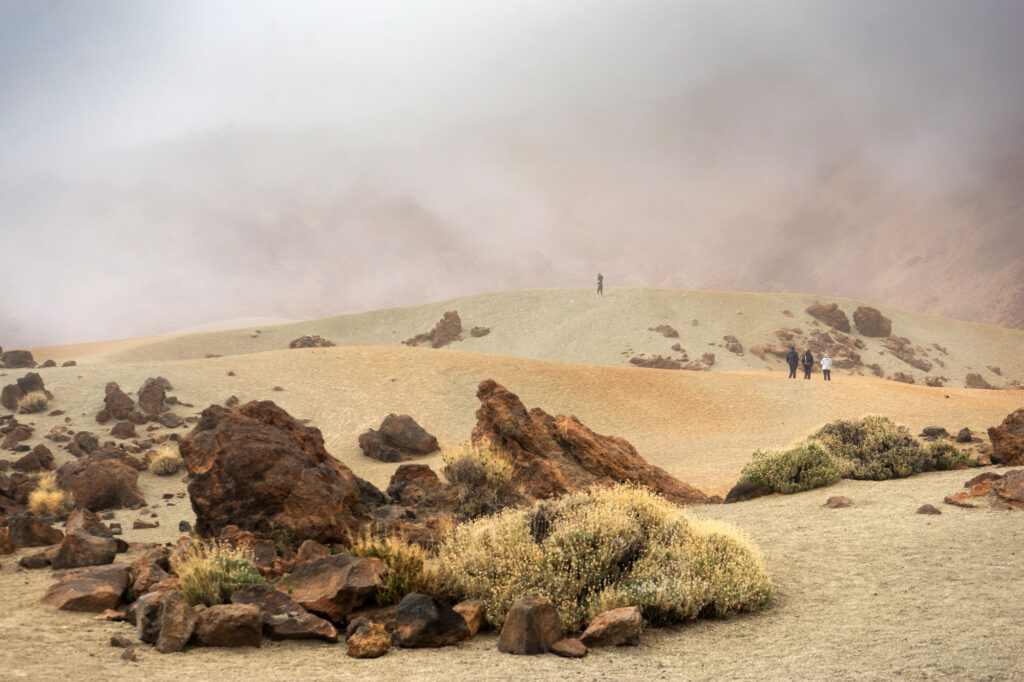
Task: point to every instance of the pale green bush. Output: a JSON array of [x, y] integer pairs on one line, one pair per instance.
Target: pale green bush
[[803, 467], [210, 572]]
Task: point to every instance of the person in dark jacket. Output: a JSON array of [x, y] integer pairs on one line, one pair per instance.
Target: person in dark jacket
[[808, 361], [600, 284], [792, 359]]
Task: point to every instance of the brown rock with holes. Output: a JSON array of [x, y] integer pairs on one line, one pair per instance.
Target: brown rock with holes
[[369, 640], [399, 439], [91, 589], [165, 619], [838, 502], [928, 509], [871, 322], [152, 395], [422, 621], [256, 467], [618, 627], [336, 585], [1008, 439], [99, 481], [116, 402], [551, 456], [78, 550], [655, 362], [446, 331], [228, 625], [26, 530], [474, 612], [531, 627], [569, 648], [830, 314]]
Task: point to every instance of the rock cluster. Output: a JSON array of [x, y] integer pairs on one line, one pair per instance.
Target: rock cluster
[[655, 362], [830, 314], [398, 439], [447, 330], [902, 349], [17, 359], [30, 383], [871, 322], [1004, 491], [665, 330], [311, 342], [1008, 439]]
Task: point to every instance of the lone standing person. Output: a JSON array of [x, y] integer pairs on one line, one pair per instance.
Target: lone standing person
[[808, 363], [792, 359], [826, 367], [600, 284]]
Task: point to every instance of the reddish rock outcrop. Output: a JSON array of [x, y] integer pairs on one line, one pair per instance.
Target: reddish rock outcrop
[[116, 402], [1008, 439], [1009, 490], [164, 618], [256, 467], [655, 362], [618, 627], [311, 342], [100, 481], [902, 348], [531, 627], [976, 381], [399, 438], [665, 330], [474, 612], [830, 314], [95, 589], [79, 549], [335, 586], [447, 330], [551, 456], [871, 322]]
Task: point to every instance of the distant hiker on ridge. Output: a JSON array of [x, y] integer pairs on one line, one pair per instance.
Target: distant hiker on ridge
[[792, 359], [600, 284], [808, 363], [826, 367]]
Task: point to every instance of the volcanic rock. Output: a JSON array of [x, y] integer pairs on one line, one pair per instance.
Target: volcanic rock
[[40, 459], [830, 314], [284, 618], [1010, 488], [747, 490], [77, 550], [49, 363], [85, 522], [399, 438], [569, 648], [447, 330], [618, 627], [92, 589], [336, 585], [904, 350], [479, 331], [310, 342], [28, 531], [123, 430], [732, 344], [935, 382], [656, 362], [165, 619], [117, 403], [415, 484], [368, 640], [30, 383], [99, 481], [902, 378], [964, 435], [838, 502], [551, 456], [1008, 439], [170, 420], [10, 396], [870, 322], [228, 625], [14, 434], [976, 381], [256, 467], [532, 626], [928, 509], [152, 394], [665, 330], [423, 621], [17, 359], [474, 612], [310, 550]]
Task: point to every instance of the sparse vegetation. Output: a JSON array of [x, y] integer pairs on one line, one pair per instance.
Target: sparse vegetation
[[803, 467], [484, 480], [409, 567], [611, 547], [166, 462], [36, 401], [48, 499], [210, 572], [873, 448]]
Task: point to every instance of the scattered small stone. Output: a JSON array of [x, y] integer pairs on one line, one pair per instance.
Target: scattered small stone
[[838, 502], [129, 655], [110, 615], [569, 648], [120, 641], [618, 627], [140, 524], [928, 509], [277, 388]]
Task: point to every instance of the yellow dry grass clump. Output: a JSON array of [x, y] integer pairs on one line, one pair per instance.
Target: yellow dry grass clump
[[211, 571], [611, 547], [49, 499], [166, 462], [410, 567], [483, 479], [36, 401]]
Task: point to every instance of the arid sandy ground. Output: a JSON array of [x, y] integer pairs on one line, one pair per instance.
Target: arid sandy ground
[[873, 591]]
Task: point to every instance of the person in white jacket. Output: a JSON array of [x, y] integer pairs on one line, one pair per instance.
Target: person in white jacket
[[826, 367]]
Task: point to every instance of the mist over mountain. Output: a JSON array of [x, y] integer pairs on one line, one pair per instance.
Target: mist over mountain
[[871, 152]]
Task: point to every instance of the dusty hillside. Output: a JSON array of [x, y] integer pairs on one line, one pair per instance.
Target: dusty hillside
[[574, 325]]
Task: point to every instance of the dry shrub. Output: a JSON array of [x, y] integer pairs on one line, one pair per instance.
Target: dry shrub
[[48, 499], [611, 547], [36, 401], [210, 572], [483, 479], [945, 456], [409, 567], [166, 462], [803, 467]]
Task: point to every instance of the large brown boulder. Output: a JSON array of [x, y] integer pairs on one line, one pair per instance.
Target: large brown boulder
[[532, 626], [311, 342], [28, 531], [17, 359], [85, 522], [117, 403], [551, 456], [830, 314], [423, 621], [368, 640], [399, 438], [165, 619], [1008, 439], [99, 481], [256, 467], [229, 625], [284, 618], [871, 322], [152, 394], [30, 383], [334, 586], [618, 627], [77, 550], [94, 589], [1010, 489], [447, 330]]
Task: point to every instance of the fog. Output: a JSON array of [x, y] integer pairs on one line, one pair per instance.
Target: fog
[[166, 164]]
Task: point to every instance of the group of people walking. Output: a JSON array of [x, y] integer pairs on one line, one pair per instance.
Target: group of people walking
[[793, 359]]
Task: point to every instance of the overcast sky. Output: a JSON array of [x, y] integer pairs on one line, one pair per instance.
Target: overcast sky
[[169, 163]]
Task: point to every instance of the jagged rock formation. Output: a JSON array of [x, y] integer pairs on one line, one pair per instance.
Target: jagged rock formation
[[830, 314], [871, 322], [399, 438], [447, 330], [1008, 439]]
